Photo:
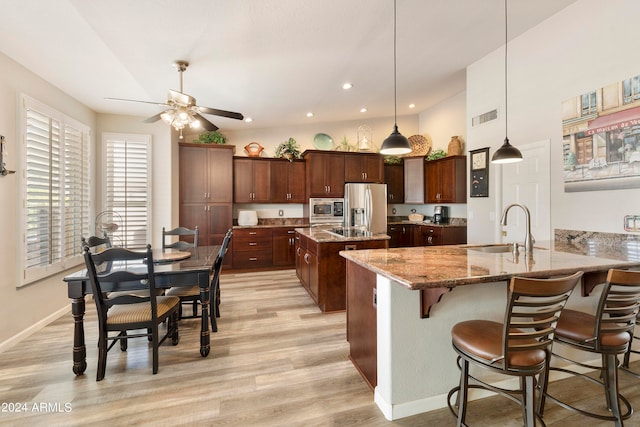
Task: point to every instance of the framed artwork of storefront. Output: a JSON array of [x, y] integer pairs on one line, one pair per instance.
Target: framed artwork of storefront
[[601, 138]]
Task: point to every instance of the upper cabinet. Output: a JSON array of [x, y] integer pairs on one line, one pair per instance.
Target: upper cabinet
[[446, 180], [325, 174], [206, 173], [394, 178], [363, 167], [414, 180], [287, 181], [251, 180]]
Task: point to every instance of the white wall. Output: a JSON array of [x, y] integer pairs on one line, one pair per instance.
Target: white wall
[[27, 306], [584, 47]]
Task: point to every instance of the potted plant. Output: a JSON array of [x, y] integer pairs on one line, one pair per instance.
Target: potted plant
[[211, 137], [288, 150], [436, 154]]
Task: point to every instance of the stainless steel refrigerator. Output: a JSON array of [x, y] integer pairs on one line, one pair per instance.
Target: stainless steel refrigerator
[[365, 206]]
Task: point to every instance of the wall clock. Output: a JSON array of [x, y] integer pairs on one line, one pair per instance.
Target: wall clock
[[479, 166]]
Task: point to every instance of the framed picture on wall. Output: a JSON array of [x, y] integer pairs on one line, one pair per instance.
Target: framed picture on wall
[[479, 172]]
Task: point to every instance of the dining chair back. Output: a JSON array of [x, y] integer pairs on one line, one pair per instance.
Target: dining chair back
[[121, 267], [215, 279], [182, 232], [97, 243], [520, 346]]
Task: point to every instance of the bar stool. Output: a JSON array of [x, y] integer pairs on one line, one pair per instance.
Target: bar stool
[[607, 332], [520, 346], [627, 355]]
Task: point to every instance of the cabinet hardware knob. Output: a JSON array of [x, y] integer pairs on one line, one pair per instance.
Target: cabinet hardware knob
[[253, 244], [253, 259], [306, 258]]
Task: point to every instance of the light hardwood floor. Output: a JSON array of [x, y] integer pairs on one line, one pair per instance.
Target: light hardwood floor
[[276, 361]]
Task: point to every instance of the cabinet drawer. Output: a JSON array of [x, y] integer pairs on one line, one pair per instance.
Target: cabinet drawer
[[254, 243], [240, 233], [253, 259]]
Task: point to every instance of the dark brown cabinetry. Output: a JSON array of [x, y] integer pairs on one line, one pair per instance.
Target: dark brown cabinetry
[[400, 234], [252, 248], [414, 180], [284, 247], [206, 198], [322, 271], [394, 178], [287, 181], [363, 167], [325, 174], [251, 180], [446, 180], [435, 236]]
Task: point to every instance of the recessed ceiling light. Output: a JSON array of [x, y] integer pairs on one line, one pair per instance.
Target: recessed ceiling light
[[347, 86], [412, 105], [248, 119], [363, 110], [310, 114]]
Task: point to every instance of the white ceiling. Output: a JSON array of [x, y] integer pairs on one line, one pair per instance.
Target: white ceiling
[[272, 60]]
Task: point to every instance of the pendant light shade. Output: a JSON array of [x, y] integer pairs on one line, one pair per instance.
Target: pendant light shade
[[395, 144], [507, 153]]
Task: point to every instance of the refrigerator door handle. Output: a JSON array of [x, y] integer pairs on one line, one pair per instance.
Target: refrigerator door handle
[[368, 203]]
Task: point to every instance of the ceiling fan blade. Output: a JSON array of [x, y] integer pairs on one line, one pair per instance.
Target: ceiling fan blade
[[135, 100], [222, 113], [205, 124], [153, 119], [181, 98]]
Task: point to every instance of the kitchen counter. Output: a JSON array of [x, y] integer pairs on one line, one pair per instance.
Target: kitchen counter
[[421, 292], [320, 235]]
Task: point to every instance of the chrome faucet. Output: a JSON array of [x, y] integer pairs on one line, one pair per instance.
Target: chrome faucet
[[528, 239]]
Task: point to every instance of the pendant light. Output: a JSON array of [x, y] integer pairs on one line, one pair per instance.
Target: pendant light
[[507, 153], [395, 143]]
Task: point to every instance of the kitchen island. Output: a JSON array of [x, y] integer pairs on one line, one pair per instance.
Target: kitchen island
[[319, 266], [402, 303]]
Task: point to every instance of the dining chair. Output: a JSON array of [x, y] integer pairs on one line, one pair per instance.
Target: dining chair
[[143, 317], [214, 293], [180, 232], [520, 346], [97, 243], [606, 332], [190, 295]]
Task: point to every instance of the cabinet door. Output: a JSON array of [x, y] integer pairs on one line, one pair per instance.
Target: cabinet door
[[296, 181], [194, 180], [363, 168], [414, 180], [394, 178], [431, 236], [373, 167], [395, 232], [314, 278], [261, 181], [432, 183], [242, 181], [280, 181], [353, 168], [220, 175], [315, 175], [283, 247], [196, 215], [334, 174], [446, 180]]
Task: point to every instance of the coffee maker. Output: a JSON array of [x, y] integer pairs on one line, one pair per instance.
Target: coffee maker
[[440, 214]]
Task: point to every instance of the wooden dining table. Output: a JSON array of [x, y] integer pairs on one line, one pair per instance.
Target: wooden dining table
[[171, 268]]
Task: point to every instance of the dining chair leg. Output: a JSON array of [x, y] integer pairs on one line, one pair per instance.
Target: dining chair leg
[[175, 337], [154, 340], [527, 385], [102, 357], [543, 384], [123, 342], [611, 387]]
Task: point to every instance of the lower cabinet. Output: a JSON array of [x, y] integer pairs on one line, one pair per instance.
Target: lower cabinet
[[400, 234], [322, 271], [442, 235], [284, 247], [263, 248]]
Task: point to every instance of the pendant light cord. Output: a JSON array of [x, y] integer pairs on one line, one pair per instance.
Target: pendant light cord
[[506, 97], [395, 84]]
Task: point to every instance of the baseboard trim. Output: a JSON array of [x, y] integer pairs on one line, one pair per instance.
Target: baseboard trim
[[12, 341]]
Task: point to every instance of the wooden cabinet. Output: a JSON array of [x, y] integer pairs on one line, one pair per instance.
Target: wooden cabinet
[[252, 248], [288, 181], [205, 186], [363, 167], [446, 180], [414, 180], [322, 271], [325, 174], [400, 234], [251, 180], [394, 178], [437, 235], [284, 247]]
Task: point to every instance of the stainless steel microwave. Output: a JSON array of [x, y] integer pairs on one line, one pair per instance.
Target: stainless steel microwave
[[325, 210]]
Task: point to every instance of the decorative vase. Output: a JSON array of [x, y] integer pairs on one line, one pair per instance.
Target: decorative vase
[[254, 149], [455, 147]]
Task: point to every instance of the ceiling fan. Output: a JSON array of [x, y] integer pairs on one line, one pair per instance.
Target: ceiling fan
[[183, 110]]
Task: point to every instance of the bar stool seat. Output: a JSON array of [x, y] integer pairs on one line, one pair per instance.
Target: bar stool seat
[[520, 346]]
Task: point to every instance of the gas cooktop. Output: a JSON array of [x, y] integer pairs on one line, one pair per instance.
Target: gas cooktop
[[350, 232]]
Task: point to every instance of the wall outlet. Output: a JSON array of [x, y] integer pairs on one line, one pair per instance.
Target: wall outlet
[[280, 212]]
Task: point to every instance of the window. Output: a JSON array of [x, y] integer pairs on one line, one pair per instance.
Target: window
[[589, 104], [127, 187], [55, 190], [631, 89]]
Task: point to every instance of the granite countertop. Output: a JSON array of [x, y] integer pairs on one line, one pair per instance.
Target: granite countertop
[[453, 265], [427, 222], [320, 235]]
